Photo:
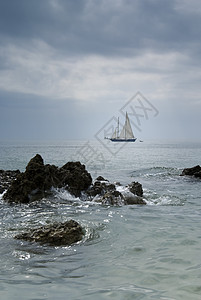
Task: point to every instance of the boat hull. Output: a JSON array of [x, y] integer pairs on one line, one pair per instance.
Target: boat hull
[[123, 140]]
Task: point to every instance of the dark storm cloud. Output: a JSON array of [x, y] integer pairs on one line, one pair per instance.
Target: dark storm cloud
[[101, 27]]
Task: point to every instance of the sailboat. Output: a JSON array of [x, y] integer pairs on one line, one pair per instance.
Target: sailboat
[[126, 134]]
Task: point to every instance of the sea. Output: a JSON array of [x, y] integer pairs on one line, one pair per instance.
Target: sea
[[128, 252]]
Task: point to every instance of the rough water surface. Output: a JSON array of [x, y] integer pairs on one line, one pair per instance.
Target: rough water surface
[[128, 252]]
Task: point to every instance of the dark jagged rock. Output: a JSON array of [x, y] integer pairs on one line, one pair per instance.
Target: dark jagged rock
[[113, 198], [39, 178], [104, 192], [57, 234], [100, 187], [194, 171], [28, 186], [6, 178], [100, 178], [75, 176], [136, 188], [134, 200], [198, 174]]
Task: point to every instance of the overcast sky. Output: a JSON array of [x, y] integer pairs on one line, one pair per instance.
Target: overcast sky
[[69, 66]]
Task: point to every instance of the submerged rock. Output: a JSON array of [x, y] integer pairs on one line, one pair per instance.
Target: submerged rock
[[57, 234], [194, 171], [39, 178]]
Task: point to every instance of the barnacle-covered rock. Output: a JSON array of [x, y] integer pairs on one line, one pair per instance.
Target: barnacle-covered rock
[[57, 234]]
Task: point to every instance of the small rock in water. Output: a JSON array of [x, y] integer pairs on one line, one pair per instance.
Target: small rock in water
[[100, 187], [136, 188], [137, 200], [114, 194], [100, 178], [113, 198], [57, 234], [194, 171]]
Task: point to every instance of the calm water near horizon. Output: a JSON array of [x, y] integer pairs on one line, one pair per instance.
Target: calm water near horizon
[[129, 252]]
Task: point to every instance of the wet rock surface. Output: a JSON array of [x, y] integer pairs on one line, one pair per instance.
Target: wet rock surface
[[38, 179], [136, 188], [194, 171], [112, 198], [107, 193], [134, 200], [57, 234], [100, 187], [75, 177], [6, 178]]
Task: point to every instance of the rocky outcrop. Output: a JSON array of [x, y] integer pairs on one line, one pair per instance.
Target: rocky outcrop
[[57, 234], [194, 171], [74, 176], [38, 179], [100, 187], [107, 193], [6, 178], [136, 188]]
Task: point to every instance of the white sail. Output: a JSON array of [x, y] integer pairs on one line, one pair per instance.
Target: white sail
[[126, 132]]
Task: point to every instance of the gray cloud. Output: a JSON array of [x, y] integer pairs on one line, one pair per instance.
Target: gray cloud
[[102, 27], [81, 56]]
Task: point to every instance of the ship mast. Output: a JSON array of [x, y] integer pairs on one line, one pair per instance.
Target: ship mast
[[118, 128]]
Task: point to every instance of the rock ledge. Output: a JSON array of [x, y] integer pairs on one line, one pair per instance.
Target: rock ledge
[[57, 234]]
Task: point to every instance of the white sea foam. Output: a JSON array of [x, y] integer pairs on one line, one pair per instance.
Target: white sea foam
[[65, 195], [1, 195]]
